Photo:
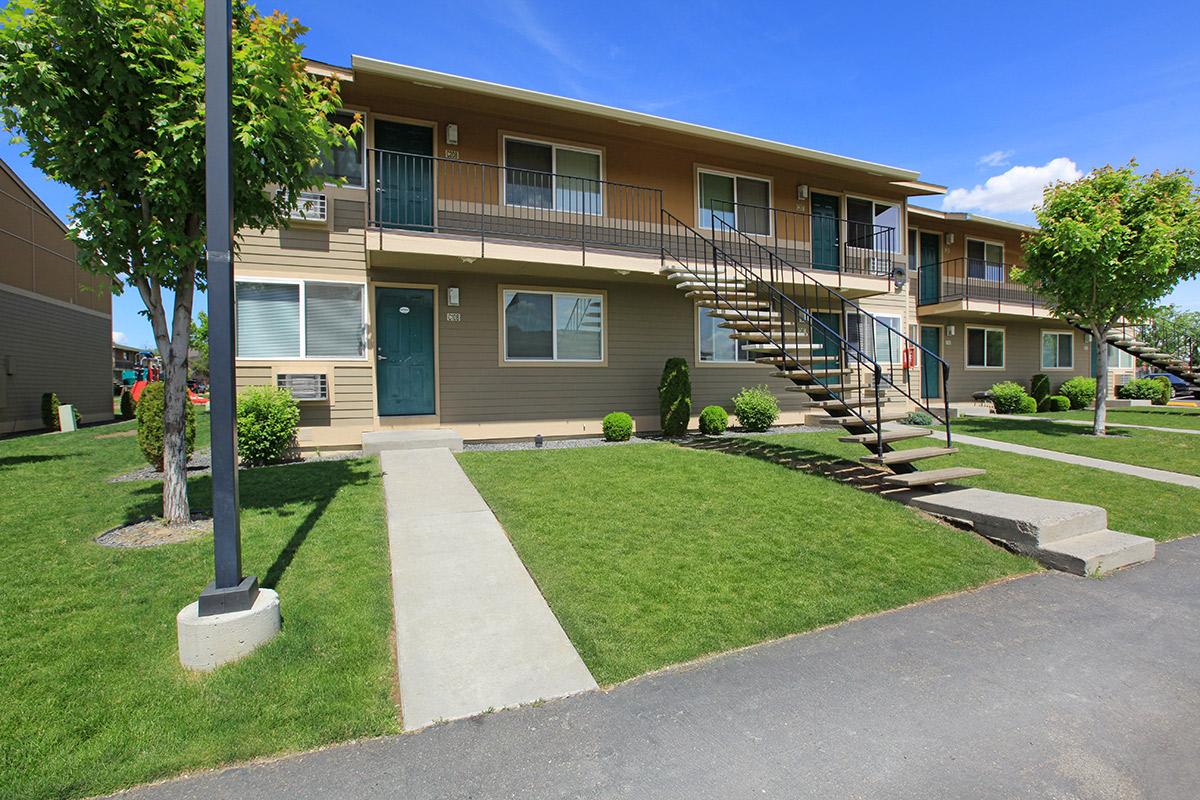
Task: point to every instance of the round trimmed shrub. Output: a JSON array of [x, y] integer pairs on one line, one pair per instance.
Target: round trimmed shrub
[[1079, 391], [756, 408], [1009, 398], [1028, 405], [675, 397], [1168, 391], [1156, 390], [713, 420], [150, 424], [1039, 390], [1056, 402], [127, 405], [921, 419], [618, 427], [50, 411], [267, 418]]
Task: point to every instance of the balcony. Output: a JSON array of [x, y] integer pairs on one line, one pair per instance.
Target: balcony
[[965, 285], [437, 206]]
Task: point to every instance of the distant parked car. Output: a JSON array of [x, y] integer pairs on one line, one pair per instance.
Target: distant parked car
[[1179, 387]]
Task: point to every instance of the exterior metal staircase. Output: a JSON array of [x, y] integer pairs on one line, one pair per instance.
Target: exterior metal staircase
[[825, 344], [1180, 358]]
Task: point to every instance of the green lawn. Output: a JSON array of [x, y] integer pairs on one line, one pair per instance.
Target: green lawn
[[1135, 505], [1160, 417], [94, 698], [653, 554], [1177, 452]]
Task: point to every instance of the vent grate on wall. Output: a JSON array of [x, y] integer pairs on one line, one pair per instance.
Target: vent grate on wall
[[310, 207], [304, 386]]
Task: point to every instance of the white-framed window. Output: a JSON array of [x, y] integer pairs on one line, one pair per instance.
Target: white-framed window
[[1058, 350], [740, 201], [863, 219], [985, 260], [1119, 359], [552, 176], [345, 161], [293, 319], [544, 325], [880, 339], [714, 342], [985, 348]]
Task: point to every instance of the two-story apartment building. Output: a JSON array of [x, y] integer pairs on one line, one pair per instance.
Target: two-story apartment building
[[987, 326]]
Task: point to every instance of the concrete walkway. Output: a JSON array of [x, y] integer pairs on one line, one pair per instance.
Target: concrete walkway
[[1049, 686], [473, 632], [1161, 475], [1088, 423]]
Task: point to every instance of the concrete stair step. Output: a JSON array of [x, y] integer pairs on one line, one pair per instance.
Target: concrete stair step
[[695, 283], [852, 421], [830, 388], [1027, 525], [733, 294], [1097, 553], [889, 436], [733, 303], [739, 313], [761, 325], [758, 343], [908, 456], [930, 477], [802, 374], [836, 403]]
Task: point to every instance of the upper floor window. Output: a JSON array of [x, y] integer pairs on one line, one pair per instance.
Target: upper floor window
[[344, 161], [738, 201], [985, 260], [864, 220], [552, 176]]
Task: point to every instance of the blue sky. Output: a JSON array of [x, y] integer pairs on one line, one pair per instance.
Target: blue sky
[[990, 99]]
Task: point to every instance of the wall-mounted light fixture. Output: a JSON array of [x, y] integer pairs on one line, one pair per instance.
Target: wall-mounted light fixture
[[451, 134], [949, 238], [802, 191], [452, 295], [949, 330]]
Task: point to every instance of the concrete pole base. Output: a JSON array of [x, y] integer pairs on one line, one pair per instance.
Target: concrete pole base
[[206, 643]]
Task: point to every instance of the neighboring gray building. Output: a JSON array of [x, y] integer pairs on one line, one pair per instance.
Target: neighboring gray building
[[55, 318]]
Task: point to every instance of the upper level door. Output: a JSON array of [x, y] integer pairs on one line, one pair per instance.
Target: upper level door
[[404, 174], [929, 272], [826, 235]]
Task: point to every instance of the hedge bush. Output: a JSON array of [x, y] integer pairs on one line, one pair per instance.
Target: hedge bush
[[127, 405], [150, 424], [675, 397], [921, 419], [714, 420], [267, 418], [1009, 398], [1039, 390], [756, 408], [1156, 390], [617, 426], [1028, 405], [1168, 390], [1080, 391], [1056, 402], [50, 411]]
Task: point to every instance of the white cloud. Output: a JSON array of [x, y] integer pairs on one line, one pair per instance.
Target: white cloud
[[1018, 189], [119, 338], [996, 158]]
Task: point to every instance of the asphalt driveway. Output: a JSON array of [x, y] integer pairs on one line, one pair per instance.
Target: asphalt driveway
[[1048, 686]]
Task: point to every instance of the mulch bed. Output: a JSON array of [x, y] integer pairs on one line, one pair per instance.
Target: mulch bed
[[152, 532]]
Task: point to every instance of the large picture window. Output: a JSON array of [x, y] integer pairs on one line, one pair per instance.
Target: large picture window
[[716, 346], [1058, 350], [879, 339], [985, 348], [739, 201], [865, 221], [553, 326], [299, 319], [985, 261], [552, 176], [344, 161]]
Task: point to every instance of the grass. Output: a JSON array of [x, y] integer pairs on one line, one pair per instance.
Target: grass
[[653, 554], [94, 698], [1158, 449], [1161, 511], [1160, 417]]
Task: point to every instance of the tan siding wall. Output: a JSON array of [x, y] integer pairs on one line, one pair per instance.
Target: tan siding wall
[[50, 347], [336, 250]]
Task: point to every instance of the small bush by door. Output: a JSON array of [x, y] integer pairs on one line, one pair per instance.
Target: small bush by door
[[267, 418]]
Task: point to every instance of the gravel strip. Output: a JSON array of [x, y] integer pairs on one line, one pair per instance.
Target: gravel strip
[[201, 464], [566, 444]]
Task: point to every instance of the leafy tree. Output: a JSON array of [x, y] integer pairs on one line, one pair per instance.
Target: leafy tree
[[198, 343], [1110, 246], [108, 96]]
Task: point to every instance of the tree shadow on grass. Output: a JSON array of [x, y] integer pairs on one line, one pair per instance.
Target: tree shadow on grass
[[270, 489], [854, 473], [8, 462]]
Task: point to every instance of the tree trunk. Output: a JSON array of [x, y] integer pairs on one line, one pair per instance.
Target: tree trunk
[[175, 500], [1100, 342]]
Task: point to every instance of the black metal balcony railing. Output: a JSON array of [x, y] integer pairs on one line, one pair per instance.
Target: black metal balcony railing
[[439, 195], [976, 281], [809, 241]]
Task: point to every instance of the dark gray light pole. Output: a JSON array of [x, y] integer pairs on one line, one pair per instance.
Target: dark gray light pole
[[230, 591]]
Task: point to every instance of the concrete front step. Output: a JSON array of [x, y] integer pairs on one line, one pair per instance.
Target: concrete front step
[[930, 477], [1097, 553], [375, 442]]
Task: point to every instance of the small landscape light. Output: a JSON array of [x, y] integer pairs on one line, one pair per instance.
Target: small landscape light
[[537, 440]]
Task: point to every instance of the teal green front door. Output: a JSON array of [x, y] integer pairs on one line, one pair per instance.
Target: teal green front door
[[404, 175], [929, 273], [826, 236], [405, 359], [931, 370]]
